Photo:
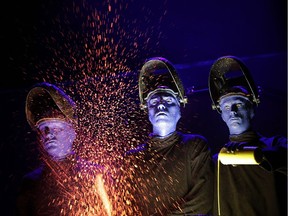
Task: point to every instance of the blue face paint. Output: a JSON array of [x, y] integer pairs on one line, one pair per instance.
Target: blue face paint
[[236, 112], [57, 137], [164, 112]]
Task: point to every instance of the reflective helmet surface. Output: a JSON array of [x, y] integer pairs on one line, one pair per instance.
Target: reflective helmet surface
[[158, 74], [45, 100], [230, 76]]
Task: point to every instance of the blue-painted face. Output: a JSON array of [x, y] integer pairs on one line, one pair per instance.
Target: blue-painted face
[[164, 112], [237, 113], [57, 137]]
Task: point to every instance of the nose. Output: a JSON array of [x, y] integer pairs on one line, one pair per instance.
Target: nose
[[49, 134], [234, 108], [161, 106]]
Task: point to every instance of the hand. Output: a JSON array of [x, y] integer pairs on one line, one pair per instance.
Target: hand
[[234, 146]]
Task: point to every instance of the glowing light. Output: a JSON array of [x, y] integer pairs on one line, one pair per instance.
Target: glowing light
[[92, 51]]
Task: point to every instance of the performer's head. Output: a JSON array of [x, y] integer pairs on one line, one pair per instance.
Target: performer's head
[[237, 109], [233, 93], [161, 92], [51, 113]]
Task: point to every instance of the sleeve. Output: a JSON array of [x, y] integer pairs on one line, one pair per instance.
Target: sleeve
[[199, 199], [24, 204], [275, 154]]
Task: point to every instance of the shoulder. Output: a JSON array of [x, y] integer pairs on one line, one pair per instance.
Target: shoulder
[[192, 137], [215, 158], [89, 167], [136, 150], [32, 179], [274, 141], [34, 175], [196, 141]]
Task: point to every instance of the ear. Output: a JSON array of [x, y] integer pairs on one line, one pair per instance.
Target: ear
[[252, 112], [222, 116], [180, 113]]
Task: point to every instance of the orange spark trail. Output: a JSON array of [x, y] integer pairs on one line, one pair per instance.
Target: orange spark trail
[[93, 52]]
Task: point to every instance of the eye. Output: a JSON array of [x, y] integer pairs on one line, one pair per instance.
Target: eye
[[168, 100], [44, 130], [239, 105], [226, 107], [153, 101], [57, 130]]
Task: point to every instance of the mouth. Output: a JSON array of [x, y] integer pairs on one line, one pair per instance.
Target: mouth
[[50, 145], [161, 114], [234, 119]]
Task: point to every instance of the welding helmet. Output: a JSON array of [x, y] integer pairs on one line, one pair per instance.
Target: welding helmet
[[46, 101], [230, 76], [159, 75]]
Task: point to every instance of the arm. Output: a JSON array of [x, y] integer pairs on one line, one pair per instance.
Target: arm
[[199, 199], [275, 154]]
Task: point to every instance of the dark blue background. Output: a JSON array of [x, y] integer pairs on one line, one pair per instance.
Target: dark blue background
[[194, 35]]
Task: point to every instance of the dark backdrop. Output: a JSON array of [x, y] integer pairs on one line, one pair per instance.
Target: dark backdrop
[[193, 35]]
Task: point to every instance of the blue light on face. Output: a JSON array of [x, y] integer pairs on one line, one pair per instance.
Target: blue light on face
[[236, 113]]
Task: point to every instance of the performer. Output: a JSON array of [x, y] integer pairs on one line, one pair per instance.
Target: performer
[[173, 171], [64, 184], [251, 176]]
